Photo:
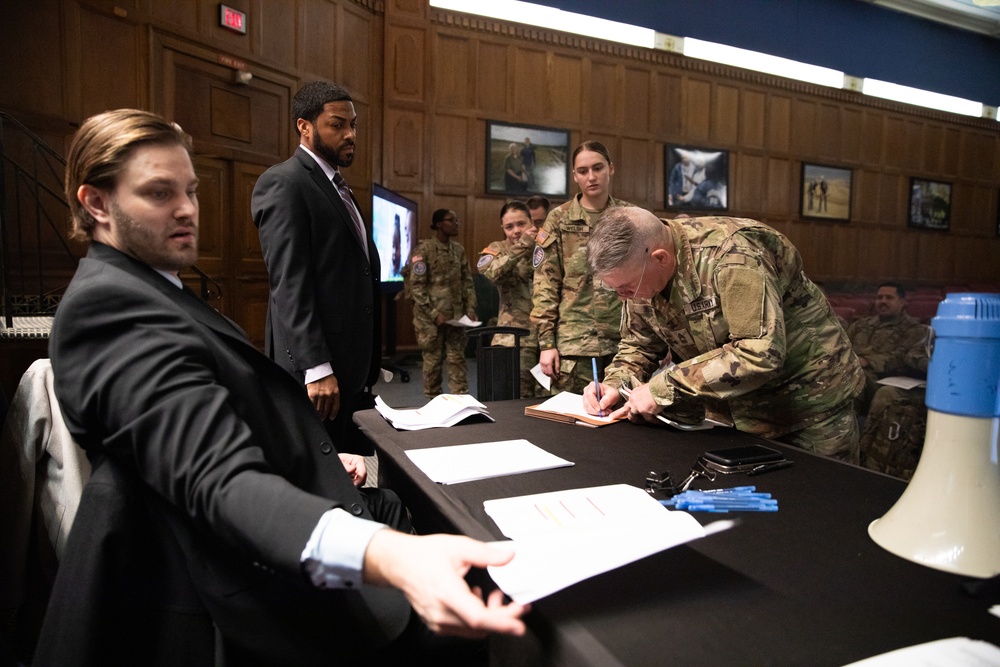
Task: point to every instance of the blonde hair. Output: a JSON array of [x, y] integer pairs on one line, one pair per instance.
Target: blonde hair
[[100, 149]]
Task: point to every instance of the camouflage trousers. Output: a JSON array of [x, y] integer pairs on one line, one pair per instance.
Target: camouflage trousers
[[440, 345], [529, 385], [836, 436], [575, 373]]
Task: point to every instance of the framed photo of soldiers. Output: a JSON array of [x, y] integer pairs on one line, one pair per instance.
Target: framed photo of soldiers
[[825, 193], [930, 204], [697, 178], [525, 160]]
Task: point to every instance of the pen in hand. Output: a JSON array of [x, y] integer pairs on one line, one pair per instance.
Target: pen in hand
[[597, 386]]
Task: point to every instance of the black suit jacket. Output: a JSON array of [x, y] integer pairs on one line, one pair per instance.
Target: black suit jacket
[[324, 302], [227, 452]]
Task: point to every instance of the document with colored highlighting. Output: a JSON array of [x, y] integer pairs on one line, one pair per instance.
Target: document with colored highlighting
[[564, 537]]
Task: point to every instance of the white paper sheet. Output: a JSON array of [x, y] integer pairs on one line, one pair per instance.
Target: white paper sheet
[[952, 652], [466, 463], [564, 537], [442, 411], [903, 382], [463, 321], [569, 403], [541, 378]]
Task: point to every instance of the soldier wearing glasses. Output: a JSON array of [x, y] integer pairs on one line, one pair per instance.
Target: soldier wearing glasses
[[758, 343]]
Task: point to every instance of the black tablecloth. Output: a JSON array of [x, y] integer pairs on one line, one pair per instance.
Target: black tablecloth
[[803, 586]]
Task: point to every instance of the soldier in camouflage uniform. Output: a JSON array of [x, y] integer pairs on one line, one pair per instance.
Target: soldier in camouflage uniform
[[507, 264], [574, 320], [441, 290], [883, 340], [757, 342]]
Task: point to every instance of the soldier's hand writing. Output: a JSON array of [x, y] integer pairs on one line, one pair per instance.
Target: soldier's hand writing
[[549, 359], [355, 467], [430, 571], [325, 396], [609, 397]]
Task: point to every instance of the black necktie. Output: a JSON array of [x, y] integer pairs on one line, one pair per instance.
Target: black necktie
[[345, 195]]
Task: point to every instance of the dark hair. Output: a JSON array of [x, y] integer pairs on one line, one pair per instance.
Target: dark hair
[[308, 103], [900, 290], [514, 205], [438, 215], [593, 146], [538, 201], [100, 149]]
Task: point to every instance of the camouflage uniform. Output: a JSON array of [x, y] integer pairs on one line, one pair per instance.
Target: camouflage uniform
[[755, 340], [885, 345], [570, 311], [508, 266], [441, 282]]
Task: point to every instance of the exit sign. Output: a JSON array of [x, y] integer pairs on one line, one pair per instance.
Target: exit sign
[[233, 19]]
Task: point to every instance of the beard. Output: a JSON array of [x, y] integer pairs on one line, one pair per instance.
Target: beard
[[144, 243], [329, 154]]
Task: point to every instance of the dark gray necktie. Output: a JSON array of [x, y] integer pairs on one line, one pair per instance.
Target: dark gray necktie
[[345, 195]]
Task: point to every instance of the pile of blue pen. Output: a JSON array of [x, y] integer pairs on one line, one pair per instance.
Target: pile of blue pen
[[737, 499]]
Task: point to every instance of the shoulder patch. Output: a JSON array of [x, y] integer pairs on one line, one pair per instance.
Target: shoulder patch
[[541, 236], [537, 256], [484, 260], [419, 268], [417, 258]]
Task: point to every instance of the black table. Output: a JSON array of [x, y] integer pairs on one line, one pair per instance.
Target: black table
[[803, 586]]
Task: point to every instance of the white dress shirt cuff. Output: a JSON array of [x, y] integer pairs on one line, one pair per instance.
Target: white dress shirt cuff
[[335, 553], [319, 372]]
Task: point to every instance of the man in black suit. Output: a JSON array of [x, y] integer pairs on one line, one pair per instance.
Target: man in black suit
[[257, 516], [323, 316]]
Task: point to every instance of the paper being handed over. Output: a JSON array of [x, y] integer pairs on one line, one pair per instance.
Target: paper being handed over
[[564, 537]]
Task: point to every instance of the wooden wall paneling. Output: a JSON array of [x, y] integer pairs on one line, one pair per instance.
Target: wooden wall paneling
[[404, 140], [816, 248], [725, 116], [181, 14], [318, 29], [636, 101], [454, 71], [215, 212], [38, 59], [406, 55], [893, 200], [895, 151], [530, 95], [451, 154], [355, 52], [225, 39], [877, 255], [933, 134], [604, 96], [976, 261], [872, 132], [934, 255], [779, 123], [804, 132], [850, 135], [962, 209], [752, 118], [567, 88], [782, 189], [749, 172], [275, 31], [413, 9], [358, 175], [248, 258], [828, 136], [843, 250], [982, 216], [979, 152], [915, 145], [865, 195], [484, 226], [666, 117], [112, 64], [492, 78], [249, 306], [951, 152], [633, 180], [909, 265], [697, 110]]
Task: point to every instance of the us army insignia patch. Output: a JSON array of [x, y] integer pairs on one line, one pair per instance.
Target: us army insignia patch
[[701, 305], [419, 267], [538, 255], [541, 236], [484, 260]]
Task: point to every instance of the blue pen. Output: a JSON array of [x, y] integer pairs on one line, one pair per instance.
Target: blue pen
[[597, 386]]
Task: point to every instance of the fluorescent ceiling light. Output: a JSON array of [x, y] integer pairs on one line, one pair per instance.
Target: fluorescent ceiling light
[[761, 62], [924, 98], [552, 18]]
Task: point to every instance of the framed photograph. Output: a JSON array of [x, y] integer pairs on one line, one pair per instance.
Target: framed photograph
[[826, 192], [930, 204], [525, 160], [697, 178]]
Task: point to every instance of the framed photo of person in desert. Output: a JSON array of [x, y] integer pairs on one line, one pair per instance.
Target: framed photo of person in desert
[[525, 160], [826, 192]]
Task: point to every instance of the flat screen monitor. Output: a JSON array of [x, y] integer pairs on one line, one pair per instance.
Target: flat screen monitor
[[394, 218]]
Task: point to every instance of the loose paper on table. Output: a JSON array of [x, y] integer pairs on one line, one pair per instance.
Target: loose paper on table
[[564, 537], [466, 463], [463, 321], [442, 411]]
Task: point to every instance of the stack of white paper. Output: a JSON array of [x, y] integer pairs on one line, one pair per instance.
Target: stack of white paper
[[443, 410], [564, 537], [465, 463]]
